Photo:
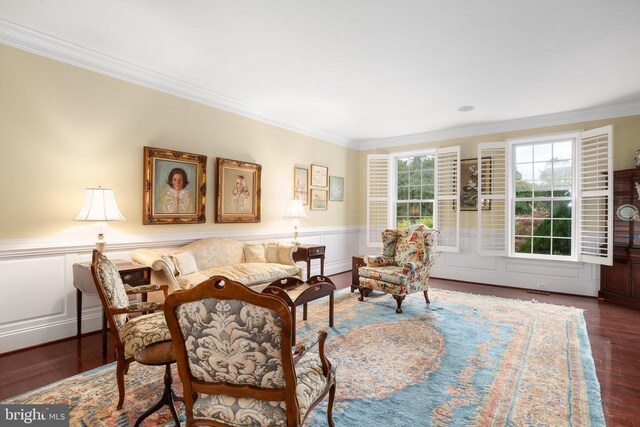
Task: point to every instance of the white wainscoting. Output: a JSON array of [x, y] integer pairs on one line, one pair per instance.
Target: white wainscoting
[[38, 303], [575, 278]]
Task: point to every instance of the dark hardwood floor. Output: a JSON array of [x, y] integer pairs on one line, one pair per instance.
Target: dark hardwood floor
[[614, 332]]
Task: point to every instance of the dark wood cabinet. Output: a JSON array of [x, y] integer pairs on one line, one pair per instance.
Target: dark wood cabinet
[[620, 283]]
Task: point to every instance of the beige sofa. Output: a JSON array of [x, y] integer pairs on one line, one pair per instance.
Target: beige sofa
[[254, 264]]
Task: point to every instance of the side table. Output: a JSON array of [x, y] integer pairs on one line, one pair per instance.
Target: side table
[[160, 353], [308, 252], [295, 292], [132, 274], [357, 261]]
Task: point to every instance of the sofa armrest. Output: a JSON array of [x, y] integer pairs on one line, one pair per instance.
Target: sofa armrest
[[285, 253], [378, 261], [162, 273]]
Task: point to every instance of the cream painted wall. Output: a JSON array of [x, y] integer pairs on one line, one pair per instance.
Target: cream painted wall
[[626, 137], [63, 129]]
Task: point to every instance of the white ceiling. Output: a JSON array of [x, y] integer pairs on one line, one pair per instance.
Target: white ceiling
[[358, 70]]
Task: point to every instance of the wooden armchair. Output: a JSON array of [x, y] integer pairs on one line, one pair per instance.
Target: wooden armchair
[[130, 334], [233, 350]]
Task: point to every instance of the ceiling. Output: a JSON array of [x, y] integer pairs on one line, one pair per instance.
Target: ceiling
[[353, 71]]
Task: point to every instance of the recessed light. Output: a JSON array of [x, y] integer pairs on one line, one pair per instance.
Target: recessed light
[[466, 108]]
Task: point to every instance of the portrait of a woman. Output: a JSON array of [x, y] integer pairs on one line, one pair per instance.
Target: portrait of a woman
[[176, 197]]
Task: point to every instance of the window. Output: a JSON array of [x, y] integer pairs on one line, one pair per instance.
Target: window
[[415, 190], [549, 197], [410, 188], [543, 190]]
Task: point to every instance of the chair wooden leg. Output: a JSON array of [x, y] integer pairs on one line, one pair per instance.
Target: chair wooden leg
[[121, 365], [399, 299], [332, 394], [362, 293], [426, 296]]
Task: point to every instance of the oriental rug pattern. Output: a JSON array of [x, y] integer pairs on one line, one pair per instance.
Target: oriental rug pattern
[[464, 360]]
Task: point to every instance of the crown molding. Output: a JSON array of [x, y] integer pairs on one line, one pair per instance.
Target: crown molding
[[556, 119], [41, 44]]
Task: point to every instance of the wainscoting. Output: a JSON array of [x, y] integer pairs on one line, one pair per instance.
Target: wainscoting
[[38, 302]]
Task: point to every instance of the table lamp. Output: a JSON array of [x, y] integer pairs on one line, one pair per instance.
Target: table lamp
[[100, 205], [296, 211]]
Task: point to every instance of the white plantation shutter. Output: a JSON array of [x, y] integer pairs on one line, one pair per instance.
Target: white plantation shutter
[[595, 190], [447, 214], [492, 193], [377, 197]]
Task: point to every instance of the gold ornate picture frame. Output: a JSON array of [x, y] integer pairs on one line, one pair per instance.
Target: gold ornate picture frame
[[237, 191], [174, 187]]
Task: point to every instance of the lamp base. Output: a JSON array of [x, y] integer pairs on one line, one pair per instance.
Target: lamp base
[[100, 243]]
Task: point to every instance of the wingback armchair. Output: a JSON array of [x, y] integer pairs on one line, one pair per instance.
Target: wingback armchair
[[233, 350], [403, 266]]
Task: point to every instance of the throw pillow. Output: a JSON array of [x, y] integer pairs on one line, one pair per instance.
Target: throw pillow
[[271, 252], [185, 263], [254, 252]]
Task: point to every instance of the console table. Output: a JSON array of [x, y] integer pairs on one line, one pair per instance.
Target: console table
[[132, 274], [308, 252]]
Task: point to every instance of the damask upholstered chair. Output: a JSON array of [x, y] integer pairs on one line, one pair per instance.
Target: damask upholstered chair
[[233, 350], [130, 334], [404, 265]]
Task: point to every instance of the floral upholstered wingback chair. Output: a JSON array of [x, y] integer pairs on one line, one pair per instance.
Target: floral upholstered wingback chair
[[404, 265], [130, 334], [234, 357]]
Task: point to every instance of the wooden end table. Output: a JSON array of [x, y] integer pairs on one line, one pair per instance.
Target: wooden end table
[[132, 274], [295, 292], [308, 252], [156, 354]]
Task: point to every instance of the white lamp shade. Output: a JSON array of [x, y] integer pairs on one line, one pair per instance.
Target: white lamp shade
[[99, 205], [295, 209]]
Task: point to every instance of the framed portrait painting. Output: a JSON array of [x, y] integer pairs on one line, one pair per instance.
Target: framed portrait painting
[[319, 176], [469, 175], [336, 188], [237, 191], [318, 200], [301, 184], [174, 187]]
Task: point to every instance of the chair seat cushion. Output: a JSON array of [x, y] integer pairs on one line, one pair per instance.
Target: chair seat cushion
[[392, 274], [393, 288], [247, 273], [232, 411], [141, 331]]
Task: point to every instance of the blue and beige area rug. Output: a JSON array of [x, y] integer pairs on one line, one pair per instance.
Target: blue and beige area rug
[[467, 360]]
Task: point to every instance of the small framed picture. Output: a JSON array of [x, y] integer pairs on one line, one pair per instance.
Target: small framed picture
[[174, 187], [301, 184], [238, 191], [318, 200], [319, 176], [336, 189]]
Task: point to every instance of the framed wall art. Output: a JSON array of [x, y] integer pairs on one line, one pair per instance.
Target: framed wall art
[[174, 187], [301, 184], [336, 189], [319, 176], [237, 191], [318, 200], [469, 174]]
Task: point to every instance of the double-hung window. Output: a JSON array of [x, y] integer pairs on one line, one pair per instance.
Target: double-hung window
[[414, 188], [550, 197]]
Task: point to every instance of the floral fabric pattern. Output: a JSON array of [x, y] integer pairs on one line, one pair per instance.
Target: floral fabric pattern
[[389, 241], [409, 270], [141, 331], [111, 283]]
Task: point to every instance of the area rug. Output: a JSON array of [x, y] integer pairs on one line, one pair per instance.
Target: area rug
[[466, 360]]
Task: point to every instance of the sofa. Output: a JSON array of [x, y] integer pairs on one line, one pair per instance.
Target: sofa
[[254, 264]]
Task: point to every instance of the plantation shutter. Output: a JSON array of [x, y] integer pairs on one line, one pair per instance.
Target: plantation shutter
[[377, 197], [492, 199], [447, 214], [595, 179]]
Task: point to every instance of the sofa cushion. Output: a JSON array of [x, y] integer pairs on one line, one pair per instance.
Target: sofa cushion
[[216, 251], [254, 252], [271, 251], [185, 263], [249, 273]]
